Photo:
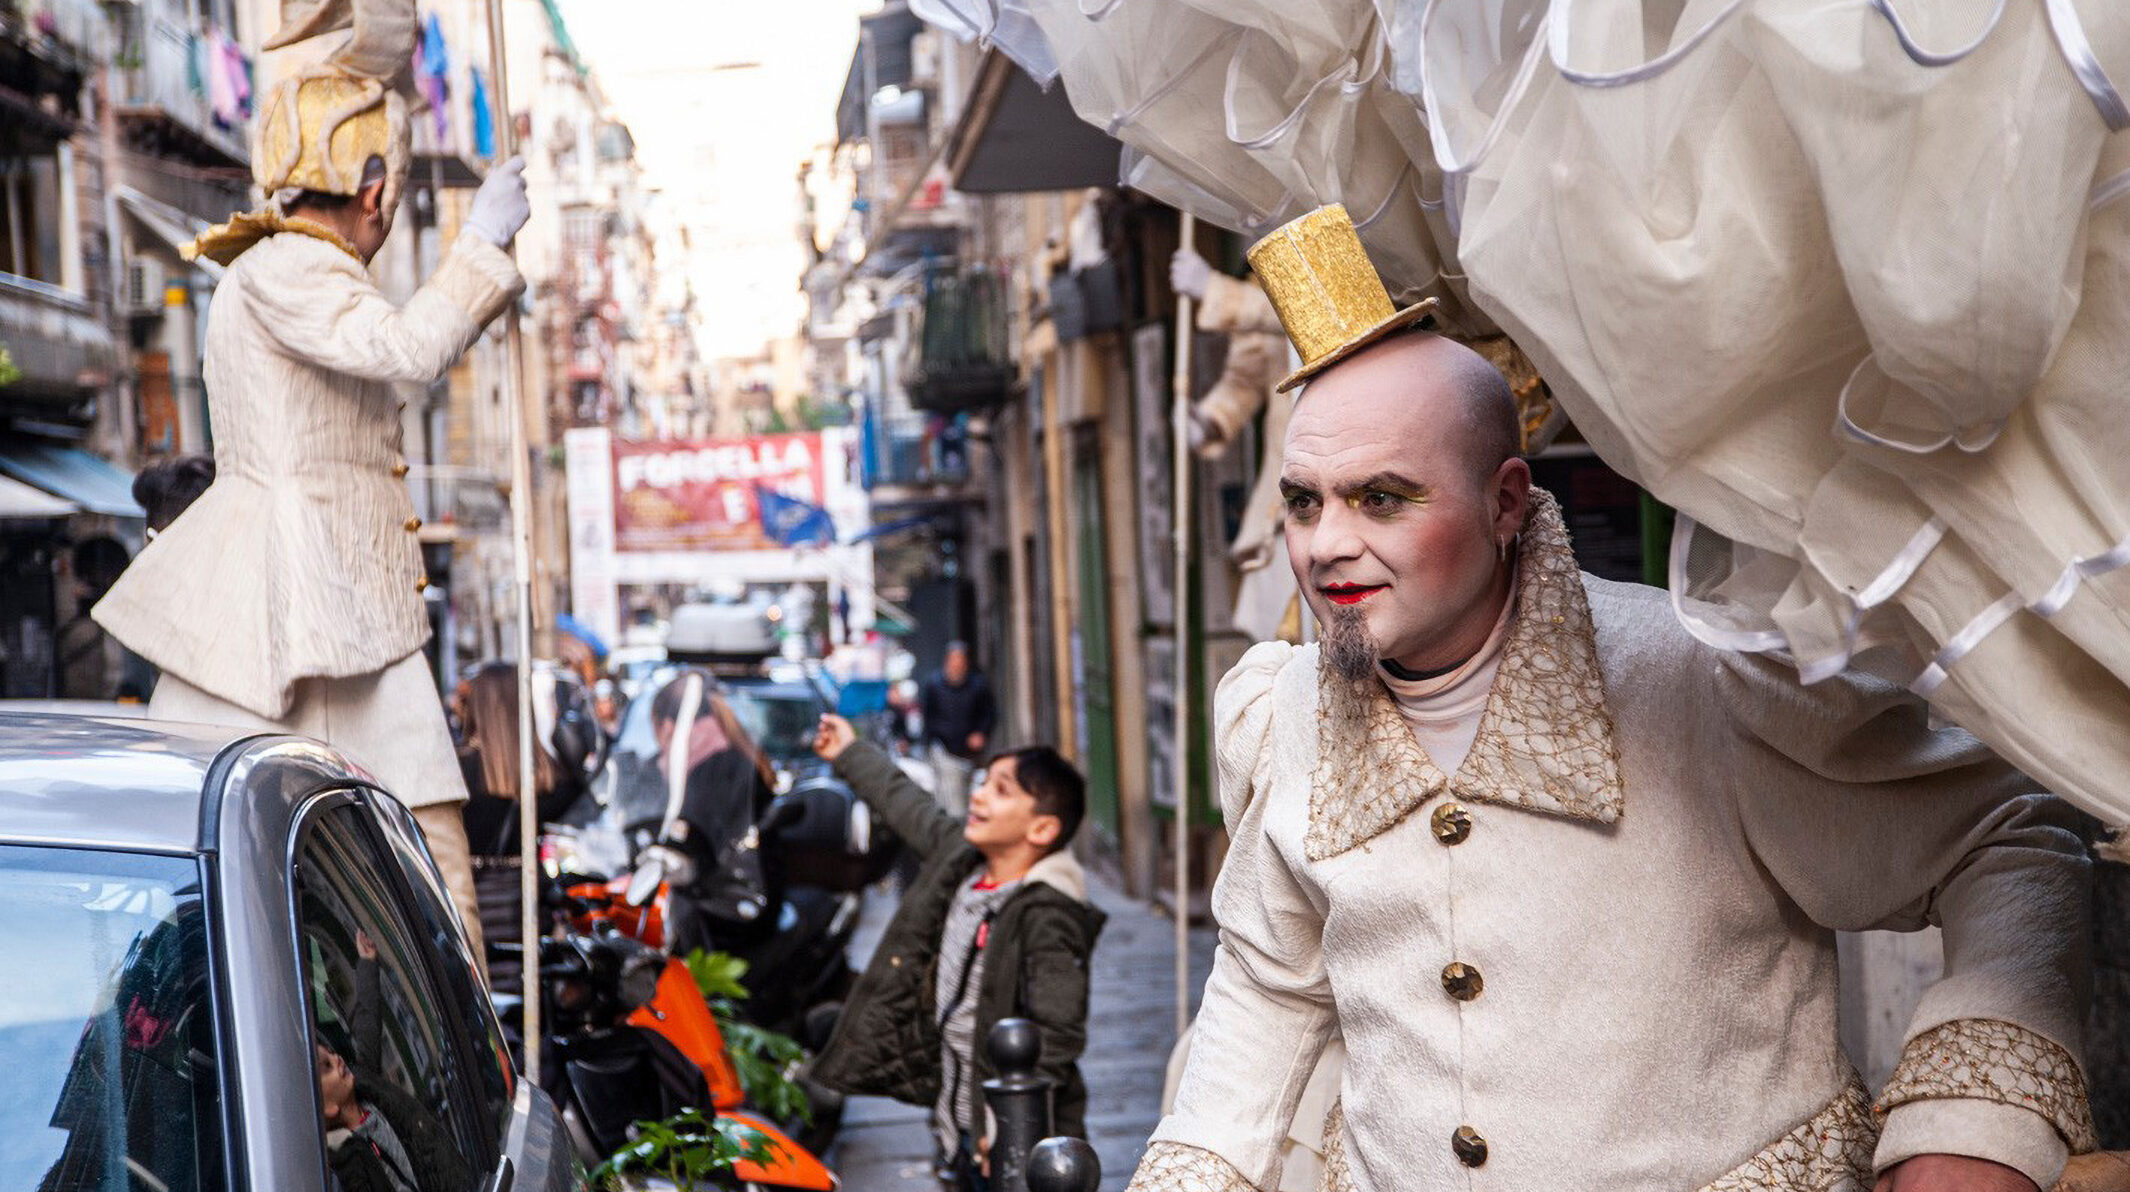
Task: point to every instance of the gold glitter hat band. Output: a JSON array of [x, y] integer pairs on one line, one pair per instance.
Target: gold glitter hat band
[[1326, 290]]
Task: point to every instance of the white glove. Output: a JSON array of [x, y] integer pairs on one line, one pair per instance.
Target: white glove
[[500, 207], [1189, 273], [1196, 431]]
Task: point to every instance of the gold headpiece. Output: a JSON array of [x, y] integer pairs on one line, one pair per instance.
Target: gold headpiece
[[1326, 291], [318, 129]]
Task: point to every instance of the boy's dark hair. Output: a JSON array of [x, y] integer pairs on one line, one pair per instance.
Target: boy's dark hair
[[1057, 787]]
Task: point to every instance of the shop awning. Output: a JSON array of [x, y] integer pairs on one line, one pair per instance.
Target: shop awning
[[71, 474], [1015, 137], [166, 223], [19, 502]]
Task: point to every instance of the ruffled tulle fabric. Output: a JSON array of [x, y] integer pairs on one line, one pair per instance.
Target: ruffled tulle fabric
[[1841, 280]]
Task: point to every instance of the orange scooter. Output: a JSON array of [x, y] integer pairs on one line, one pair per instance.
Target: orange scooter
[[678, 1013]]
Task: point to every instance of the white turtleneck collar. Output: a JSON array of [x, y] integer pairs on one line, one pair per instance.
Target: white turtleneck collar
[[1443, 710]]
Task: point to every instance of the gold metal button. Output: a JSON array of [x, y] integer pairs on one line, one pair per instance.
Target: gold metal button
[[422, 584], [1470, 1148], [412, 524], [399, 469], [1451, 823], [1462, 981]]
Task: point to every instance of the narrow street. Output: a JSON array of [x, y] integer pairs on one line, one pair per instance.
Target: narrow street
[[884, 1146]]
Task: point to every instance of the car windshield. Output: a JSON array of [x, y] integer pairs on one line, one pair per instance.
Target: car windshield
[[105, 1024], [781, 720], [780, 717]]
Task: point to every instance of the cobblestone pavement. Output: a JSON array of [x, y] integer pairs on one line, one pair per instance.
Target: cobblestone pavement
[[885, 1146]]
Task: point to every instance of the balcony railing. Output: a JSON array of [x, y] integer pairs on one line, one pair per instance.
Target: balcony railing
[[167, 79], [963, 358]]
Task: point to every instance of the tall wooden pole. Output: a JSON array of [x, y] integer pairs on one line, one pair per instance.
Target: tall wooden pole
[[1180, 587], [521, 542]]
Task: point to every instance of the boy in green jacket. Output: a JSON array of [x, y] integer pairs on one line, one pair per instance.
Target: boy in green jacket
[[996, 925]]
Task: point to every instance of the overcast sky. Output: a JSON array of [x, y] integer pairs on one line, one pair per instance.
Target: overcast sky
[[725, 144]]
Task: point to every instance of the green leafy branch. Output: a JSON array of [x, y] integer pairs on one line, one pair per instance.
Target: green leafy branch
[[9, 374], [767, 1061], [688, 1149]]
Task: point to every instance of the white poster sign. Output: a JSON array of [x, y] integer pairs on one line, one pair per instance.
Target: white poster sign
[[588, 462]]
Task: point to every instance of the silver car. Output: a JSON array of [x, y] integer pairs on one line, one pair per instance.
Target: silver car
[[227, 964]]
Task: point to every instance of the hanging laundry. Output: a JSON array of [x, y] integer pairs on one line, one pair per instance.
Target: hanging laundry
[[432, 73], [195, 68], [222, 98], [233, 73], [484, 129]]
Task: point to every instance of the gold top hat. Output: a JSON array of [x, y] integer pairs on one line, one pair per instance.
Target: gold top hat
[[1326, 291]]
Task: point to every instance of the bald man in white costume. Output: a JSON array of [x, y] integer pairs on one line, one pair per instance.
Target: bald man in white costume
[[1566, 880]]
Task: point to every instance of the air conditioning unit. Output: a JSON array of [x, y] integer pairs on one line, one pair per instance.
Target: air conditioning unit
[[143, 293]]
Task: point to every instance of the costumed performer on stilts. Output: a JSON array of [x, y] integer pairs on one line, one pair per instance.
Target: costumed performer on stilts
[[289, 597], [1564, 879]]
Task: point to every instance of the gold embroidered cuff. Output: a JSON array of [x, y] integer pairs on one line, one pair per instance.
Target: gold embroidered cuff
[[1174, 1167], [1988, 1060]]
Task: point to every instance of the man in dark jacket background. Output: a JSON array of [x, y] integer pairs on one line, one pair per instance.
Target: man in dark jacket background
[[959, 714], [996, 925]]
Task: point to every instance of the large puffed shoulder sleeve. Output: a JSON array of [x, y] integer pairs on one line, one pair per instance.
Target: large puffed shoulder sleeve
[[1242, 723], [1871, 818]]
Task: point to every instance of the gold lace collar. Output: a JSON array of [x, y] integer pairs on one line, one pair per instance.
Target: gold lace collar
[[225, 242], [1545, 738]]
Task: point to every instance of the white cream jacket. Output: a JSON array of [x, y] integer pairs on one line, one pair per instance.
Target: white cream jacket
[[301, 561], [1603, 951]]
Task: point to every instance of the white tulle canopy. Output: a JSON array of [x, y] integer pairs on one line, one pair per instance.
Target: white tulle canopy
[[1847, 282]]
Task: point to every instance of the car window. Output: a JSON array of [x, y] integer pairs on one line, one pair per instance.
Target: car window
[[465, 995], [106, 1024], [397, 1107]]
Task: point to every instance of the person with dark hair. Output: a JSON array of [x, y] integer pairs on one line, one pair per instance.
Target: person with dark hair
[[996, 925], [488, 758], [958, 713], [728, 780], [92, 665], [168, 487]]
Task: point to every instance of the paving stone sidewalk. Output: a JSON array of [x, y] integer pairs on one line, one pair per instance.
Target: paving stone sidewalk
[[885, 1146]]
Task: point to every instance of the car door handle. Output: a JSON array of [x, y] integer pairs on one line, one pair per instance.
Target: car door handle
[[501, 1180]]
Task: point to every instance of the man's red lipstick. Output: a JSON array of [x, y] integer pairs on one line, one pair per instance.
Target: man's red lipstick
[[1350, 593]]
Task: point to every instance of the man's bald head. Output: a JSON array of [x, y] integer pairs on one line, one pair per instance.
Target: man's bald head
[[1444, 381]]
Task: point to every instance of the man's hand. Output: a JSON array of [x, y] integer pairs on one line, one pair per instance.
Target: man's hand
[[832, 736], [976, 742], [1953, 1173]]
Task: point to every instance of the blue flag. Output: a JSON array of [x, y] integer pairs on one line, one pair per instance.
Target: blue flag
[[789, 521]]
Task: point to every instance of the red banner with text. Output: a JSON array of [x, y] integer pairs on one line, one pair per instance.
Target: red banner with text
[[699, 494]]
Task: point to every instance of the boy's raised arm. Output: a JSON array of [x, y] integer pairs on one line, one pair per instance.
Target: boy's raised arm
[[910, 811]]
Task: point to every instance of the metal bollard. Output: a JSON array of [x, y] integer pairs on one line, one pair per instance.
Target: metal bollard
[[1064, 1165], [1019, 1100]]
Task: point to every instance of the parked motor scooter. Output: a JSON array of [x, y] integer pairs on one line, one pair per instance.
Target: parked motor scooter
[[630, 1038]]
